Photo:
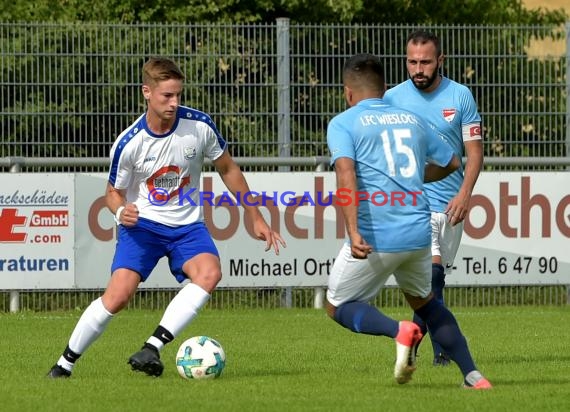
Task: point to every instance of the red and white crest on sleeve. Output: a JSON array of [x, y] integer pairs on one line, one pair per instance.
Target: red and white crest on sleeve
[[449, 114]]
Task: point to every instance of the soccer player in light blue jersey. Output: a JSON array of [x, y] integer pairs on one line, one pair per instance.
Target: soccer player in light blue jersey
[[382, 155], [449, 108]]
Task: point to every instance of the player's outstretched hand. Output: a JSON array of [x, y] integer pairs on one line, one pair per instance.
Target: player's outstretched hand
[[275, 242], [272, 239]]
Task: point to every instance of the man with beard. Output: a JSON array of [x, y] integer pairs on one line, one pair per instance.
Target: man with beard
[[450, 109]]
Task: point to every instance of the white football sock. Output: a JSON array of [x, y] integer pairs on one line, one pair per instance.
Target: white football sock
[[181, 310], [91, 324]]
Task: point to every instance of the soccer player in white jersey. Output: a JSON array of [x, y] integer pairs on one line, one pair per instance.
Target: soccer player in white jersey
[[449, 108], [383, 155], [155, 165]]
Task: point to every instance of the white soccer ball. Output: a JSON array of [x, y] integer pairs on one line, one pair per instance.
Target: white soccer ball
[[200, 357]]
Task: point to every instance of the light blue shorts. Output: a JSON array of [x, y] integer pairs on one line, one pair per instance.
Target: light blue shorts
[[140, 247]]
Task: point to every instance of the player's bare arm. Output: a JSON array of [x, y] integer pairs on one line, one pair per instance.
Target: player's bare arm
[[458, 206], [346, 179], [125, 213], [234, 180], [434, 172]]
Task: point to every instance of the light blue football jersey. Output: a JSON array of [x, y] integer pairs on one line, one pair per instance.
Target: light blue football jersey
[[447, 110], [389, 147]]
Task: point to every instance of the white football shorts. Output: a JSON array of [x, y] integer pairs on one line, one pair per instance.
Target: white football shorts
[[361, 279], [445, 239]]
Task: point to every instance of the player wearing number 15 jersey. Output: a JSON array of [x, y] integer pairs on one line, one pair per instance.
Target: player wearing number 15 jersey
[[389, 147], [376, 147]]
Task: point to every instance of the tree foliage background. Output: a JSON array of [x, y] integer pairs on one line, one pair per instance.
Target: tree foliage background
[[39, 119], [426, 12]]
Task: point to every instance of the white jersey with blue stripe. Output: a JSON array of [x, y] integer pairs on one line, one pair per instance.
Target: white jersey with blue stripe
[[389, 147], [161, 173], [452, 112]]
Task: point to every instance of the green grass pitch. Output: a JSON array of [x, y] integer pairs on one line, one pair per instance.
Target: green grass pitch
[[289, 360]]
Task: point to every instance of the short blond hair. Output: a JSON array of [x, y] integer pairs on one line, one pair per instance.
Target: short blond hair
[[157, 69]]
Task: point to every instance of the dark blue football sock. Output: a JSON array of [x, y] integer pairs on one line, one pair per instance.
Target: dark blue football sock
[[437, 285], [437, 281], [423, 327], [445, 330], [361, 317], [420, 322]]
